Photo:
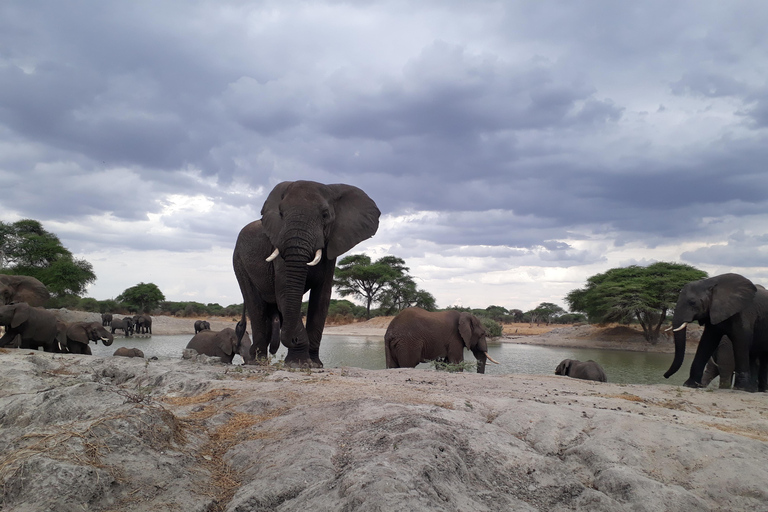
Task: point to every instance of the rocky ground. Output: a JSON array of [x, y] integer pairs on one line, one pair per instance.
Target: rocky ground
[[119, 434], [109, 434]]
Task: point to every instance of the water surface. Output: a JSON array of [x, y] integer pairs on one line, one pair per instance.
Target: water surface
[[621, 366]]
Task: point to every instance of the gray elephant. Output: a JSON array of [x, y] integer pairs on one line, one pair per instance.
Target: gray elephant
[[106, 319], [223, 344], [720, 364], [128, 352], [80, 334], [22, 289], [726, 305], [123, 324], [304, 227], [586, 370], [202, 325], [142, 324], [35, 327], [416, 336]]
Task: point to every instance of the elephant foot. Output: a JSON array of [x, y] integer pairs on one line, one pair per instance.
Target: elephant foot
[[690, 383], [744, 383], [301, 359], [315, 358]]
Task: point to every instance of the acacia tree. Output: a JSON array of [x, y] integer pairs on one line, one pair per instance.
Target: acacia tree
[[544, 312], [143, 298], [26, 248], [385, 281], [644, 293]]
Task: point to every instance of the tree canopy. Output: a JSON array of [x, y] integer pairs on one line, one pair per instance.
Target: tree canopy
[[545, 312], [644, 293], [142, 298], [26, 248], [385, 281]]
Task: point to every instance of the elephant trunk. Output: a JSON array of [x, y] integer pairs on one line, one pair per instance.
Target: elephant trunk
[[108, 340], [679, 328], [481, 357], [296, 277]]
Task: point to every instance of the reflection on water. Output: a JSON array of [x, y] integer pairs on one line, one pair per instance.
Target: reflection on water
[[622, 367]]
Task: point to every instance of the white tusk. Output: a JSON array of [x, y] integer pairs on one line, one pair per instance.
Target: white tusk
[[104, 339], [318, 255], [490, 358], [274, 254], [681, 327]]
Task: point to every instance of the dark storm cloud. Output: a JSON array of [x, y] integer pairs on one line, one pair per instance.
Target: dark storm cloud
[[513, 123]]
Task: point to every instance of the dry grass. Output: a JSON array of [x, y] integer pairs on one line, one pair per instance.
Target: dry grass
[[526, 329], [739, 431]]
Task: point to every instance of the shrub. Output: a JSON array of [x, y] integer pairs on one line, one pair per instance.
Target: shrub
[[492, 327]]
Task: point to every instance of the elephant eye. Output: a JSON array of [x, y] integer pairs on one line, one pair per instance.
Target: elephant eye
[[326, 214]]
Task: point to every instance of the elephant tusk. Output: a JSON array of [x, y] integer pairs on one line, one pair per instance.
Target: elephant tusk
[[318, 255], [490, 358], [681, 327], [104, 339], [274, 254]]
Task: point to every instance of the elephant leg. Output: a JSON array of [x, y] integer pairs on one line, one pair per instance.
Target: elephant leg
[[711, 370], [709, 341], [742, 343], [319, 302]]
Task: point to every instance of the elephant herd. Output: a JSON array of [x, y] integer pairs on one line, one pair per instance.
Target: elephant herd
[[139, 324], [305, 226]]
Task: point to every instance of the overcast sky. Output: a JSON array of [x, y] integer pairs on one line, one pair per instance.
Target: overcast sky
[[514, 148]]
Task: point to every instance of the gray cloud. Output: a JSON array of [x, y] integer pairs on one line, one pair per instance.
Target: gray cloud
[[520, 126]]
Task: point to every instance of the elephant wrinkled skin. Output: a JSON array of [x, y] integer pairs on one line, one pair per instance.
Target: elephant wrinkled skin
[[726, 305], [585, 370], [417, 336], [22, 289], [224, 344], [36, 327], [304, 227]]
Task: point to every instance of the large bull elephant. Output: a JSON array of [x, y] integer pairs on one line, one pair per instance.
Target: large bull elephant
[[35, 327], [416, 336], [304, 227], [22, 289], [726, 305]]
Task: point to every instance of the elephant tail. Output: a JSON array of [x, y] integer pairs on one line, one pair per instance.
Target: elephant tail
[[390, 356]]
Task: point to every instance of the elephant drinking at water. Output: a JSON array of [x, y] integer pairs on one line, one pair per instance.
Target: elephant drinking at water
[[304, 227], [416, 336]]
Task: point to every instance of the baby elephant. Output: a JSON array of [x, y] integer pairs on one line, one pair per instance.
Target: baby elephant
[[128, 352], [221, 344], [587, 370]]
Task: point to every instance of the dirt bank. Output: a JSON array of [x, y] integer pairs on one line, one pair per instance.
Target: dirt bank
[[118, 434]]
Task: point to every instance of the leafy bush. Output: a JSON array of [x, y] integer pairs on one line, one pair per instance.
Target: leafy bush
[[492, 327]]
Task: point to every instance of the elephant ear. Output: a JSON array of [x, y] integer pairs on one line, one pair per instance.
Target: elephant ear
[[465, 329], [356, 219], [78, 333], [228, 342], [20, 314], [270, 212], [731, 293]]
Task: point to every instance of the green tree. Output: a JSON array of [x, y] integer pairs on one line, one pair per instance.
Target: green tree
[[545, 311], [643, 293], [142, 298], [26, 248], [385, 281]]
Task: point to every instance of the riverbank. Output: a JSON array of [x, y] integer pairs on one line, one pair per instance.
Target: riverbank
[[575, 336], [83, 432]]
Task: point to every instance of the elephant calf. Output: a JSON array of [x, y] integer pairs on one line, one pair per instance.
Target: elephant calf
[[128, 352], [587, 370], [221, 344]]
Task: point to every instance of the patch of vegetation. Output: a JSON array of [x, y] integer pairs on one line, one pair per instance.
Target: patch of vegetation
[[443, 366]]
